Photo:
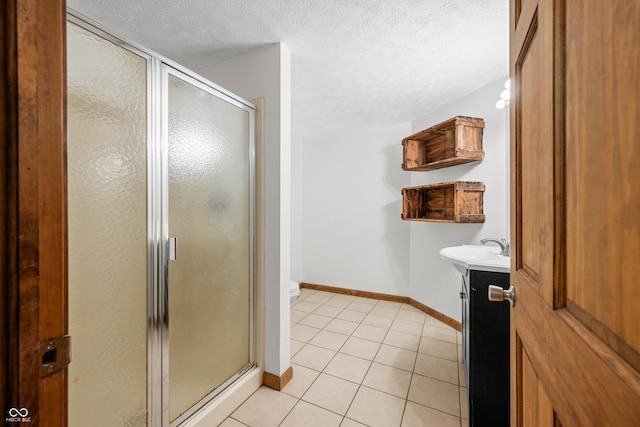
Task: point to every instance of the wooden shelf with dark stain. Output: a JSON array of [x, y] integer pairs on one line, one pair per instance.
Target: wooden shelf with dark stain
[[452, 142], [452, 202]]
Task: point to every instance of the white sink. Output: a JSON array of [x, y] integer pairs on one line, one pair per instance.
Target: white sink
[[471, 257]]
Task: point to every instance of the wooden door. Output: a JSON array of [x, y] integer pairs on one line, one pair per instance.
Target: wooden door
[[575, 158], [32, 209]]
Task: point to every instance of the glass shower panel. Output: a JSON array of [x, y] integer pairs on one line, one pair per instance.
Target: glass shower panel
[[209, 215], [107, 192]]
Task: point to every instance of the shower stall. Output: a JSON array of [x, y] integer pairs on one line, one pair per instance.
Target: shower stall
[[161, 235]]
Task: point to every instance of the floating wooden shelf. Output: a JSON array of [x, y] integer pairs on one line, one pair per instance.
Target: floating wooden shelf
[[450, 143], [455, 202]]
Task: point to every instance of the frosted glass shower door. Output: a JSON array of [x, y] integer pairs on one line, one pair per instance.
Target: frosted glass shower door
[[209, 207], [107, 190]]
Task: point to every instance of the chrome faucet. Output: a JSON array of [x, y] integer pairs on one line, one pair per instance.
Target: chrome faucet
[[504, 245]]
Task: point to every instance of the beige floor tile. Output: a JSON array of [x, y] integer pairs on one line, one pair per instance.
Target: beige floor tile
[[375, 408], [315, 321], [395, 350], [410, 308], [316, 291], [306, 292], [340, 326], [371, 333], [297, 301], [350, 423], [407, 326], [296, 346], [390, 304], [385, 311], [361, 348], [332, 393], [265, 408], [230, 422], [348, 368], [438, 348], [460, 355], [435, 394], [303, 333], [330, 340], [438, 333], [435, 322], [345, 297], [377, 320], [420, 416], [319, 298], [396, 357], [437, 367], [388, 379], [351, 315], [461, 378], [360, 306], [305, 306], [302, 379], [297, 315], [327, 310], [313, 357], [464, 403], [411, 314], [337, 302], [402, 340], [365, 300], [308, 415]]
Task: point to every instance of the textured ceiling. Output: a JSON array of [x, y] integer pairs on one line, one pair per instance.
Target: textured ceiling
[[355, 63]]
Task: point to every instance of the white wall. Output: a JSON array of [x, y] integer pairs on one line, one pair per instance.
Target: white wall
[[266, 73], [434, 282], [297, 191], [352, 235]]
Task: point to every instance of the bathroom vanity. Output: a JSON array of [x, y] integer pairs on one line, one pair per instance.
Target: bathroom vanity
[[485, 332], [485, 349]]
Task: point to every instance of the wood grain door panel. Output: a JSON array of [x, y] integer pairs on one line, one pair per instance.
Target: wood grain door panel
[[538, 411], [534, 150], [603, 235], [575, 212]]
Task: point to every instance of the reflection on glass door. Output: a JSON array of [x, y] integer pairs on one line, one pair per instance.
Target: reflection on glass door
[[209, 199]]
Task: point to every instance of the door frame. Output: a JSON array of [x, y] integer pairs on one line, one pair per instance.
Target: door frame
[[33, 205]]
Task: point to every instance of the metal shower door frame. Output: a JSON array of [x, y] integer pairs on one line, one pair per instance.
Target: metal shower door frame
[[167, 70], [158, 352]]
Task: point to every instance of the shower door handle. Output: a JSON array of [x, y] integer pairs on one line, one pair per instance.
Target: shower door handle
[[173, 248]]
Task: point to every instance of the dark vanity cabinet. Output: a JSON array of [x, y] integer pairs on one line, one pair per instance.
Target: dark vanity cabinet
[[485, 348]]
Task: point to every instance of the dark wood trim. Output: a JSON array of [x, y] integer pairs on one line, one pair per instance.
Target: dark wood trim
[[365, 294], [277, 382], [8, 208], [387, 297], [436, 314], [33, 202], [52, 194], [559, 146]]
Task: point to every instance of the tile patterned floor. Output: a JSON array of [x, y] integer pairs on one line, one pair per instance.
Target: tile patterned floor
[[363, 362]]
